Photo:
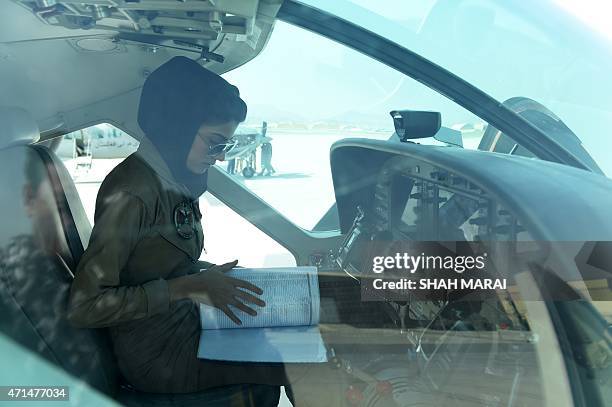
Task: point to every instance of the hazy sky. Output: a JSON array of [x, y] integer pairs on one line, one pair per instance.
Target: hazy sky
[[595, 13], [308, 78]]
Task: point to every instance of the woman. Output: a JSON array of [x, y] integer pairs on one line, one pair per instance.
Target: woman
[[140, 276]]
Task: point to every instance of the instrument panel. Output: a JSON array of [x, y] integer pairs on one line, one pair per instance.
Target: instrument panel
[[388, 193], [418, 201]]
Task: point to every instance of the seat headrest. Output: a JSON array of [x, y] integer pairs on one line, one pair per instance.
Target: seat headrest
[[17, 126]]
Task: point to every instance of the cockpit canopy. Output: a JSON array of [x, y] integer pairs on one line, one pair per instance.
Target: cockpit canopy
[[80, 53]]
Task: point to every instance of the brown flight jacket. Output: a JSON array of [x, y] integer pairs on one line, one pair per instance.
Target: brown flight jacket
[[121, 282]]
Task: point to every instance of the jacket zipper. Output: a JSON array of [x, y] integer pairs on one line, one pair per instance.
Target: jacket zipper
[[180, 248]]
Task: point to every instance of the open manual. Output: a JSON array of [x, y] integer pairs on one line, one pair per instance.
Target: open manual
[[285, 330]]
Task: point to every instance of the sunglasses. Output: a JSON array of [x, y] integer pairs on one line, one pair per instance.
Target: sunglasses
[[221, 148]]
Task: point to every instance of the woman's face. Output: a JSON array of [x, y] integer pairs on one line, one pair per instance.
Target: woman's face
[[198, 159]]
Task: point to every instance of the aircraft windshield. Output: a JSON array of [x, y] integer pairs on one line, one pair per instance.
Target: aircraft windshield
[[539, 50]]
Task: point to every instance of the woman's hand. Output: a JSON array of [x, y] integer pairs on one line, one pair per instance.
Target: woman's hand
[[214, 287]]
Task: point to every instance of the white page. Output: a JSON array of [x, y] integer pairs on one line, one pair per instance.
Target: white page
[[299, 344], [291, 295], [284, 331]]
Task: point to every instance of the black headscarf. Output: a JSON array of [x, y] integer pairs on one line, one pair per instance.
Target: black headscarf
[[176, 99]]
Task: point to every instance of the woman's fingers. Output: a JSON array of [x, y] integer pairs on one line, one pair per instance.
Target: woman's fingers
[[244, 308], [246, 285], [249, 297], [227, 266], [226, 309]]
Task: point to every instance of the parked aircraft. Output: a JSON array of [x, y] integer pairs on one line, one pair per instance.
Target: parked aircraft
[[101, 141], [244, 151]]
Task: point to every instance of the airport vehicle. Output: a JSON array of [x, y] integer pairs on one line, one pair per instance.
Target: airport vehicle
[[533, 184]]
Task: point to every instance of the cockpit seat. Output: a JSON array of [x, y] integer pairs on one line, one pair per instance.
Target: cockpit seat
[[40, 244], [43, 236]]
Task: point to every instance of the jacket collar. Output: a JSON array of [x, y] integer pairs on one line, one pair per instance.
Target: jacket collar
[[148, 153]]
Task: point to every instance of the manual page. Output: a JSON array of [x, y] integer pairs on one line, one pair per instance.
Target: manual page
[[285, 330]]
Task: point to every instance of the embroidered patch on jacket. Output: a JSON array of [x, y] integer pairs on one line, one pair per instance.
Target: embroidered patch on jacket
[[184, 220]]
